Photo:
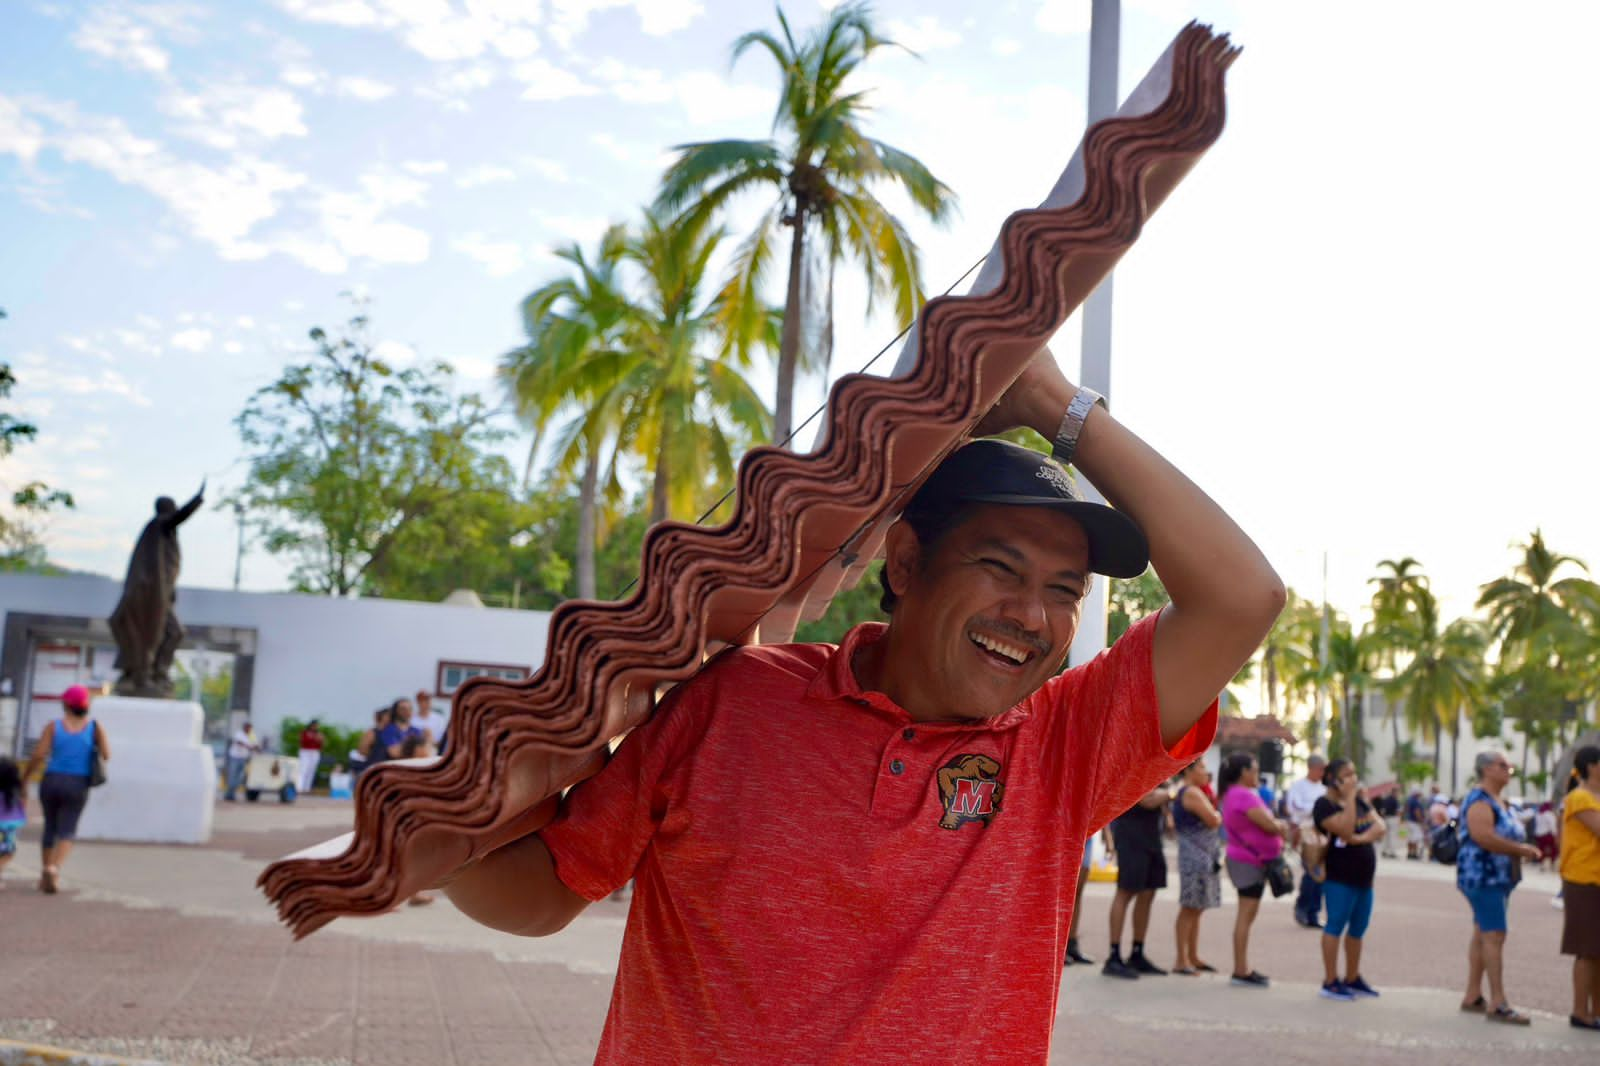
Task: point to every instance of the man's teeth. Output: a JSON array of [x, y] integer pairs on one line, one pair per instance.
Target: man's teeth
[[1010, 651]]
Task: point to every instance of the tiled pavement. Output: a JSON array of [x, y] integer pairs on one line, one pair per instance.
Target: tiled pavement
[[167, 954]]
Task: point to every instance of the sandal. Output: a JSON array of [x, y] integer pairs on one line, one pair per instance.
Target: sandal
[[1477, 1006], [1506, 1016], [1578, 1023], [1205, 967], [48, 879], [1186, 971]]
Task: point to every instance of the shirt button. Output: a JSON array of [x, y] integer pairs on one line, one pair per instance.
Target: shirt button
[[909, 734], [897, 767]]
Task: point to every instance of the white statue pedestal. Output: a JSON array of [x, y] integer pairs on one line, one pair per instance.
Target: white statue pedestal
[[161, 781]]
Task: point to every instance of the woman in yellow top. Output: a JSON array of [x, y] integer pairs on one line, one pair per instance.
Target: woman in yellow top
[[1580, 885]]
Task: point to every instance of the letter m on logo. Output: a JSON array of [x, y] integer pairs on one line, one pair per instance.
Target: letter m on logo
[[974, 798]]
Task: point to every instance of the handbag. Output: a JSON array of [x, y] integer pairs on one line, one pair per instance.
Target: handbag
[[1446, 843], [97, 765], [1279, 877]]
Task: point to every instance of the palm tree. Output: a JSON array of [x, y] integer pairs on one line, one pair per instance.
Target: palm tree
[[1532, 609], [1443, 677], [1394, 615], [1289, 655], [1544, 624], [687, 409], [823, 172], [1349, 667], [570, 321]]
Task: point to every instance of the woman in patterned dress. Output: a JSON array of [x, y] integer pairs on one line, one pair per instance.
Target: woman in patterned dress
[[1195, 819]]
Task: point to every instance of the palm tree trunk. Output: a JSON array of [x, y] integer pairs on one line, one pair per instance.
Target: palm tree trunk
[[587, 491], [1455, 751], [659, 485], [789, 348]]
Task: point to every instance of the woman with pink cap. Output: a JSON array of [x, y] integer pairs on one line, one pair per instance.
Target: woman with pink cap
[[66, 749]]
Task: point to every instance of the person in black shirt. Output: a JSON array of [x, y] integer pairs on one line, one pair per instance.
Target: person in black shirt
[[1352, 826], [1141, 870]]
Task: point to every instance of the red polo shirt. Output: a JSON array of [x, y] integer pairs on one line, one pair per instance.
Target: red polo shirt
[[819, 879]]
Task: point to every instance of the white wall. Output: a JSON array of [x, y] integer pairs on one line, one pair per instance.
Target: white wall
[[317, 656]]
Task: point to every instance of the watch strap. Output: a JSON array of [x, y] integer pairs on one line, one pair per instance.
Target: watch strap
[[1066, 442]]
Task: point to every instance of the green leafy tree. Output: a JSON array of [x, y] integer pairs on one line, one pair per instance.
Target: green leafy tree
[[348, 454], [1400, 586], [21, 531], [1289, 661], [825, 171]]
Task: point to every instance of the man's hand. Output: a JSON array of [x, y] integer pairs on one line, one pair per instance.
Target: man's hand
[[1040, 394]]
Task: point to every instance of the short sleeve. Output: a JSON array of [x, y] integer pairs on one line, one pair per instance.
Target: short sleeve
[[1109, 729], [1323, 808], [606, 822]]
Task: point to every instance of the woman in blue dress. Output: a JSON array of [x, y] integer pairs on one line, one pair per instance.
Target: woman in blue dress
[[1488, 867]]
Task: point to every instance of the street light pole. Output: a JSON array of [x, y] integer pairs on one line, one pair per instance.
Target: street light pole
[[1105, 42]]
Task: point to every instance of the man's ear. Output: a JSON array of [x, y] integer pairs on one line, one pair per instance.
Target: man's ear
[[902, 556]]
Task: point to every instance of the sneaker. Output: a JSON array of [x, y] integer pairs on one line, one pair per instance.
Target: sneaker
[[1360, 987], [1145, 966], [1115, 967], [1076, 957], [1555, 901], [1251, 980], [1336, 990], [1309, 923]]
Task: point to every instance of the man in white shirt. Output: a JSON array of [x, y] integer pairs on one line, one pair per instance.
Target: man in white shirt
[[431, 722], [1302, 797], [244, 744]]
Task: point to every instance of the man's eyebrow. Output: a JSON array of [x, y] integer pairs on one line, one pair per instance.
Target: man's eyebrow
[[1000, 547]]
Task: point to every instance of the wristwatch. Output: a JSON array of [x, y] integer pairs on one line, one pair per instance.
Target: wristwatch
[[1066, 441]]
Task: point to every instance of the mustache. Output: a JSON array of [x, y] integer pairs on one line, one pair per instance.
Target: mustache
[[1013, 634]]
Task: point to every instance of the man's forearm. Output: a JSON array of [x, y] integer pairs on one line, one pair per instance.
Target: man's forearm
[[515, 889]]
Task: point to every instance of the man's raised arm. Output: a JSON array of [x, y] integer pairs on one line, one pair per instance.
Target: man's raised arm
[[1225, 595]]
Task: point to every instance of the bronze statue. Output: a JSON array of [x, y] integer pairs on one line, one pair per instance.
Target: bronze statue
[[145, 623]]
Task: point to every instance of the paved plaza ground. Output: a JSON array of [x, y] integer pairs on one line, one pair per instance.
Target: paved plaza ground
[[168, 954]]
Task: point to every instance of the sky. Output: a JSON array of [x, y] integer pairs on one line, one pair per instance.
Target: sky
[[1364, 323]]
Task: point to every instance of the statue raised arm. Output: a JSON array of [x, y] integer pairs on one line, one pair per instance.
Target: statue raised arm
[[145, 622]]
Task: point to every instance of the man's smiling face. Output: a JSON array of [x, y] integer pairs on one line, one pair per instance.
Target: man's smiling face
[[987, 615]]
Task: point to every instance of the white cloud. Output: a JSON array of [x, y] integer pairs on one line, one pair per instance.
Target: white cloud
[[705, 97], [498, 258], [395, 353], [1005, 46], [19, 135], [433, 28], [548, 169], [425, 167], [191, 340], [1063, 16], [303, 77], [354, 219], [233, 347], [612, 147], [117, 36], [245, 322], [353, 13], [475, 367], [565, 229], [657, 18], [218, 114], [450, 87], [543, 80], [486, 174], [923, 34], [47, 378], [368, 89]]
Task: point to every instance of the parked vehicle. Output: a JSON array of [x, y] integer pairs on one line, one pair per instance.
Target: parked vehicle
[[270, 773]]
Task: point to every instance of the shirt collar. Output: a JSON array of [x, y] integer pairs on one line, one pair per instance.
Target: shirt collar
[[836, 681]]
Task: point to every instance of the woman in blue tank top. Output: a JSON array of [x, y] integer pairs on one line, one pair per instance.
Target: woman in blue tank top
[[66, 749]]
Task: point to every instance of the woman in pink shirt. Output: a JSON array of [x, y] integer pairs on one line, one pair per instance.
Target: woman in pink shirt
[[1255, 838]]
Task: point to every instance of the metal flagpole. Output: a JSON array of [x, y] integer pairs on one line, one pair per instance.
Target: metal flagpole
[[1105, 36]]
